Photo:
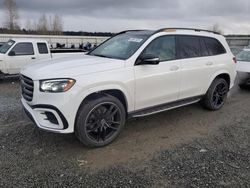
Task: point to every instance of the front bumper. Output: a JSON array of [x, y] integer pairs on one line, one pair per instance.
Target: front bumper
[[46, 117]]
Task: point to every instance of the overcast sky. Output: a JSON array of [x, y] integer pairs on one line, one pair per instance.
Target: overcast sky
[[233, 16]]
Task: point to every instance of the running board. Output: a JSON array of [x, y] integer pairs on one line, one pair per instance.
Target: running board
[[164, 107]]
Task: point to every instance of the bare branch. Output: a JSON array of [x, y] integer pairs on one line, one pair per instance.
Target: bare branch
[[11, 15]]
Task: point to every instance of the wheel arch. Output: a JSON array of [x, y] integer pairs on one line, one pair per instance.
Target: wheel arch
[[113, 92], [222, 74], [94, 94], [226, 77]]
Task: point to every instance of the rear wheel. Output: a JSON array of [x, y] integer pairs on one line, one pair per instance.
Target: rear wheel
[[100, 121], [216, 95]]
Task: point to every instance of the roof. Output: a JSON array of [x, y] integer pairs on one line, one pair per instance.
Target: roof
[[27, 40], [173, 29], [139, 32], [190, 31]]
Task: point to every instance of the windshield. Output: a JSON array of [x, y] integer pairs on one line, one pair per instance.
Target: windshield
[[243, 56], [6, 46], [121, 46]]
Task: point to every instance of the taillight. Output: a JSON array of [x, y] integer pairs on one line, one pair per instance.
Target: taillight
[[234, 60]]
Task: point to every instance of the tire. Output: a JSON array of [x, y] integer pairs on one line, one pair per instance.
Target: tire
[[95, 125], [244, 86], [216, 95], [1, 77]]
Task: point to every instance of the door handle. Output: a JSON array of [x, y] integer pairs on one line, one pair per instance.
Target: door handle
[[174, 68], [33, 58], [209, 63]]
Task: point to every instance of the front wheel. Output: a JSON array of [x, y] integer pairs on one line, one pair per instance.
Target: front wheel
[[216, 95], [100, 121]]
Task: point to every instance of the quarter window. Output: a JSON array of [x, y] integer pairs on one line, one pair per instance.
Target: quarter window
[[189, 46], [42, 48], [214, 47], [162, 47], [23, 48]]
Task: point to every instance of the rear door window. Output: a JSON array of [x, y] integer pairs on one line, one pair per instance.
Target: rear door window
[[214, 47], [23, 48], [189, 46], [203, 50], [42, 48]]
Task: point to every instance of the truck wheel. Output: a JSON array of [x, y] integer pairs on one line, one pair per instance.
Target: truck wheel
[[216, 95], [100, 121]]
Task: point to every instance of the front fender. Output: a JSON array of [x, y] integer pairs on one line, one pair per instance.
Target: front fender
[[102, 87]]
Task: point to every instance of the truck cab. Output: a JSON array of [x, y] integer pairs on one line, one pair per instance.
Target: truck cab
[[17, 53]]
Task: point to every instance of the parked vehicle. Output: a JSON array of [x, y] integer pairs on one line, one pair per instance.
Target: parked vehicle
[[133, 74], [235, 50], [243, 68], [17, 53], [1, 43]]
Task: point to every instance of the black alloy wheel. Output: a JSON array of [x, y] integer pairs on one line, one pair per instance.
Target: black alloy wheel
[[103, 121], [99, 121], [219, 95], [216, 95]]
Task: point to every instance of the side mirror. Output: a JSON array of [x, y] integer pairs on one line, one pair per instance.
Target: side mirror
[[12, 53], [148, 59]]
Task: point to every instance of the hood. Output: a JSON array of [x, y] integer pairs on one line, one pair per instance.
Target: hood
[[243, 66], [70, 67], [2, 56]]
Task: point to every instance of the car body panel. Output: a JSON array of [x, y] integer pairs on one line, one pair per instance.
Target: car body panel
[[243, 66]]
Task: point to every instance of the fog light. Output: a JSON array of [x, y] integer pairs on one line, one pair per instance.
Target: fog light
[[51, 118]]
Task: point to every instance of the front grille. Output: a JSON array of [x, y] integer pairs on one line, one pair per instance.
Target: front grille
[[27, 86]]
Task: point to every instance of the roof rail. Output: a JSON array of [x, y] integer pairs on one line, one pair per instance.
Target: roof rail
[[190, 29], [126, 31]]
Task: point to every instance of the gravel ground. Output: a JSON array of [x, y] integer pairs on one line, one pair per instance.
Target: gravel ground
[[186, 147]]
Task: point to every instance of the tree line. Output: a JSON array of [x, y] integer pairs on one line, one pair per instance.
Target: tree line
[[46, 24]]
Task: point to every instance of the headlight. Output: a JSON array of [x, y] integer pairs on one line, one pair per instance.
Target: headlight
[[57, 85]]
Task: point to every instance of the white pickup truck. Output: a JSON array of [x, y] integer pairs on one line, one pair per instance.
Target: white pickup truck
[[17, 53]]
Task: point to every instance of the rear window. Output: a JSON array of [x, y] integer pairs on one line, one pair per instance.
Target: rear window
[[42, 48], [189, 46], [243, 56], [214, 47]]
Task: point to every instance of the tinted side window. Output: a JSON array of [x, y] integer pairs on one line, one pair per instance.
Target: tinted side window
[[189, 46], [162, 47], [42, 48], [203, 50], [214, 47], [23, 48]]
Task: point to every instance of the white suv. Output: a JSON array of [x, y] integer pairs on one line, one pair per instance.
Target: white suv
[[133, 74]]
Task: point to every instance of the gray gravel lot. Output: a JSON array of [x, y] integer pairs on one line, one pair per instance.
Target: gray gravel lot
[[186, 147]]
